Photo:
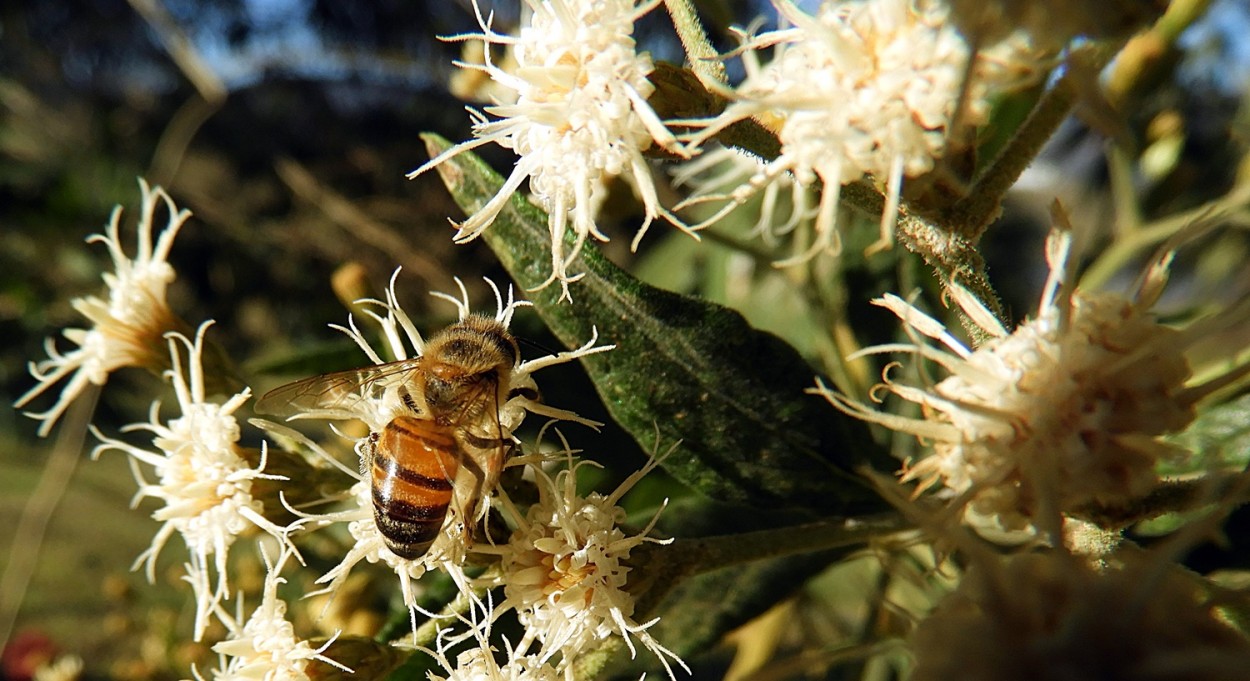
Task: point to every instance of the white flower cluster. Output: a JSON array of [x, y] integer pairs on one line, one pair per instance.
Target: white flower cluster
[[564, 572], [579, 119], [1062, 414], [873, 88], [129, 325], [265, 646], [866, 87], [565, 568], [479, 661], [1052, 616], [202, 479]]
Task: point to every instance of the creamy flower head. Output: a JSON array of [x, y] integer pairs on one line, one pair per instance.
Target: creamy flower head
[[1052, 616], [858, 88], [1062, 414], [565, 568], [580, 118], [201, 477], [378, 407], [265, 645], [128, 325]]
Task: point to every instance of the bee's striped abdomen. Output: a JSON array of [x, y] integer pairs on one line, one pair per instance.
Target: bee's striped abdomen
[[413, 473]]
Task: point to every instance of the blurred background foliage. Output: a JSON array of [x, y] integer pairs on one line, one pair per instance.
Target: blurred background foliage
[[286, 126]]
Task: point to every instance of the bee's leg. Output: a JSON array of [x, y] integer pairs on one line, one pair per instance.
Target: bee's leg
[[407, 399], [512, 478], [486, 471], [366, 461]]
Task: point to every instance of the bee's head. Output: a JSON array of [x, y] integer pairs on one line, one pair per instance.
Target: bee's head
[[468, 362]]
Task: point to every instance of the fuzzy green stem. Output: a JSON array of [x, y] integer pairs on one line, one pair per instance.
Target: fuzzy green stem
[[1173, 496], [704, 60], [971, 215], [954, 258]]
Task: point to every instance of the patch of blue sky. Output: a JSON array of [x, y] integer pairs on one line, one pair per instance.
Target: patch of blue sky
[[281, 38], [1217, 51]]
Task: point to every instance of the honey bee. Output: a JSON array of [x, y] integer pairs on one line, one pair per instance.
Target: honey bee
[[417, 463]]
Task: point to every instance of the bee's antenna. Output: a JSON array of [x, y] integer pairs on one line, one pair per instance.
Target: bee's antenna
[[536, 345]]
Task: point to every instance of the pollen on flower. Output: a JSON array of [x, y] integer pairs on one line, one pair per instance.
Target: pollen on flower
[[201, 478], [1060, 415], [860, 88], [580, 118], [128, 325], [565, 568], [265, 645]]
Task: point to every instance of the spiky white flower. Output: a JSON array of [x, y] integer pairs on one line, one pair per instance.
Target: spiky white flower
[[378, 404], [128, 326], [859, 88], [202, 478], [565, 568], [579, 119], [265, 645], [478, 662], [725, 169], [1062, 414]]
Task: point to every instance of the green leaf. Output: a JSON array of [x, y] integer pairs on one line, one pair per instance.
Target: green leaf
[[702, 609], [699, 592], [1218, 438], [695, 370]]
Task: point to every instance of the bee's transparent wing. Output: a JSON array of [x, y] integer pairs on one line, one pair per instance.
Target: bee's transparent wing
[[335, 395]]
